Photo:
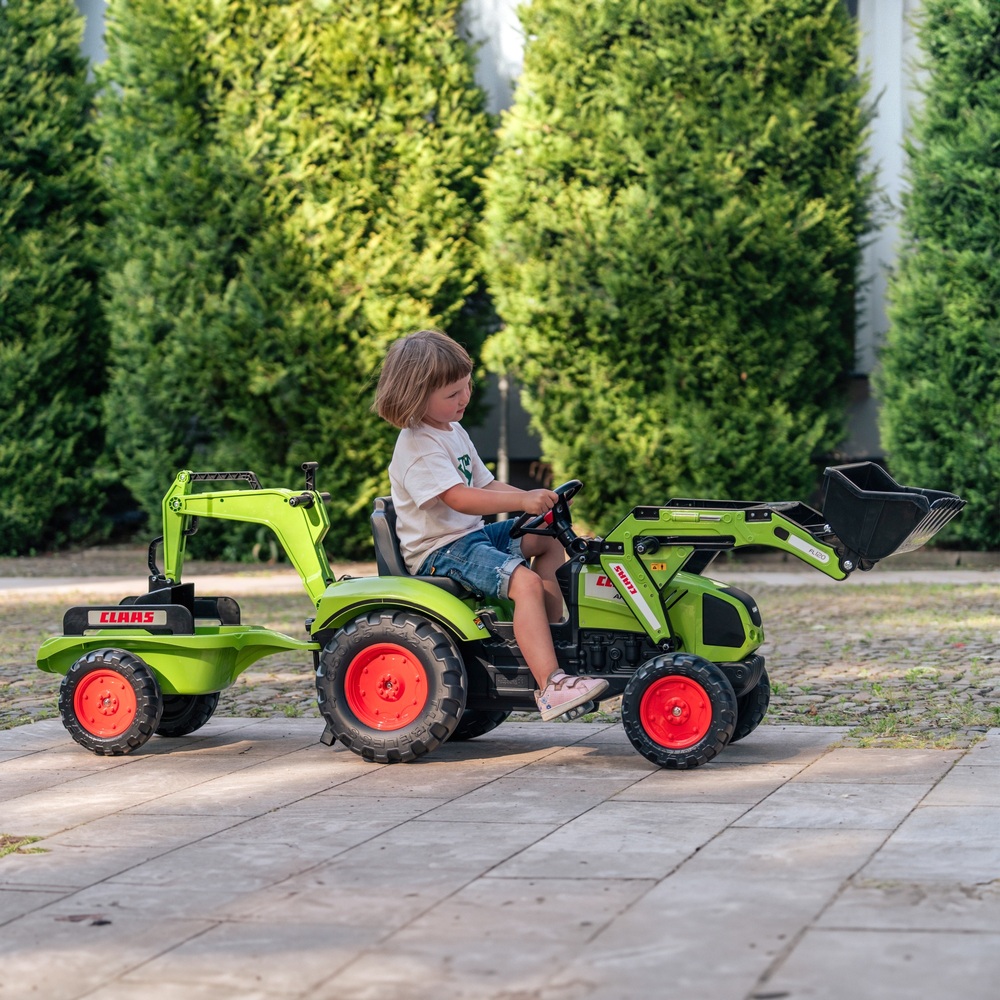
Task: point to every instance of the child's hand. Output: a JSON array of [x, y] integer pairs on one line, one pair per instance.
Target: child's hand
[[538, 501]]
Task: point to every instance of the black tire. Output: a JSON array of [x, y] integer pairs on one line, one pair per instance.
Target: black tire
[[186, 713], [391, 686], [475, 723], [679, 710], [110, 702], [751, 708]]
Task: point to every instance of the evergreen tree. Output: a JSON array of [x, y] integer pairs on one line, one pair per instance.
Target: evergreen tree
[[672, 238], [52, 337], [940, 376], [295, 186]]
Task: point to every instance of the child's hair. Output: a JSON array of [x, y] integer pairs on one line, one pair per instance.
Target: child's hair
[[414, 367]]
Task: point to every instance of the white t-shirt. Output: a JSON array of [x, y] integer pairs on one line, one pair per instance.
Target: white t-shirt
[[426, 462]]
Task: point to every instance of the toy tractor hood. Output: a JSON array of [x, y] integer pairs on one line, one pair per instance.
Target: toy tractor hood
[[875, 517]]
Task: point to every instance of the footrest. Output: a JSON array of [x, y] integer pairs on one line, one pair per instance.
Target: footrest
[[504, 631]]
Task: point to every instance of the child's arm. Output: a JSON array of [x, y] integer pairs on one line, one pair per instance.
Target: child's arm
[[498, 498]]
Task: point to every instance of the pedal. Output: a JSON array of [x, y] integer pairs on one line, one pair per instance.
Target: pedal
[[575, 713]]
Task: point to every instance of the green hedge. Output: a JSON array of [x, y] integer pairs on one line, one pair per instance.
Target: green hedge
[[672, 237], [940, 376], [294, 185], [52, 336]]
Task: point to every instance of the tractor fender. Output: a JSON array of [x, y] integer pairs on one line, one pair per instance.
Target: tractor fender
[[344, 600]]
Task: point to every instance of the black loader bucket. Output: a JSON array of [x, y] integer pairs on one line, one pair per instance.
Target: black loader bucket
[[875, 517]]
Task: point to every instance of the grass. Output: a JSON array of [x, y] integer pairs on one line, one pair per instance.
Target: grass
[[9, 844]]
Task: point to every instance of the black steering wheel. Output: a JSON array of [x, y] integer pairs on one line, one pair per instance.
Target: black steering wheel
[[556, 521]]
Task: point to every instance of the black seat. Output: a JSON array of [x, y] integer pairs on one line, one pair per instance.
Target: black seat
[[389, 559]]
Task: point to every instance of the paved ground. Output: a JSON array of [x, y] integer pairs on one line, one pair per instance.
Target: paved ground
[[543, 861], [539, 862]]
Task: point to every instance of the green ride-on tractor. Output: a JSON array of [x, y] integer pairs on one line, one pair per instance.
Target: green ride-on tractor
[[404, 663]]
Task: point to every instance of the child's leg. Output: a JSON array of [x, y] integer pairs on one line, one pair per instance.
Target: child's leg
[[548, 555], [557, 692], [486, 562], [531, 623]]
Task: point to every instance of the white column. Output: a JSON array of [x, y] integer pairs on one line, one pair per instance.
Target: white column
[[93, 32], [493, 28], [888, 53]]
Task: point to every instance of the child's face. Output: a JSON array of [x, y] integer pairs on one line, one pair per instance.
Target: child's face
[[448, 403]]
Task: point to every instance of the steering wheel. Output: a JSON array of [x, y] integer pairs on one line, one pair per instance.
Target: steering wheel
[[555, 522]]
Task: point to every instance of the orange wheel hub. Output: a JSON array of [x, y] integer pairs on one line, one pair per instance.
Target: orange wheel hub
[[104, 703], [386, 687], [675, 712]]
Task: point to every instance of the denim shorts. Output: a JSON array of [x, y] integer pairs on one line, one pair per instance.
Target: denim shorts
[[482, 561]]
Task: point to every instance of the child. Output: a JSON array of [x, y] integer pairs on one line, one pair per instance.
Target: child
[[441, 490]]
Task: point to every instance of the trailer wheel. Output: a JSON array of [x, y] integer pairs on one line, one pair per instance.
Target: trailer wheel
[[679, 710], [391, 686], [110, 702], [475, 723], [185, 713], [751, 708]]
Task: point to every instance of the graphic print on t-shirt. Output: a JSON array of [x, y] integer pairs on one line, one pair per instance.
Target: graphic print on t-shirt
[[465, 468]]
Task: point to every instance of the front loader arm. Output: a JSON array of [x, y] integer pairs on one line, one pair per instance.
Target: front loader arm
[[647, 550], [866, 516], [670, 535]]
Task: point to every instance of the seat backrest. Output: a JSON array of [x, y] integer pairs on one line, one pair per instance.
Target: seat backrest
[[388, 558]]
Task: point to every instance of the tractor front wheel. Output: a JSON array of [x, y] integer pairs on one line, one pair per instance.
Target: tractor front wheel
[[679, 710], [391, 686], [751, 708], [110, 702]]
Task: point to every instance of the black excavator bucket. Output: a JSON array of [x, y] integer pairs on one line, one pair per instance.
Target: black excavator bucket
[[875, 517]]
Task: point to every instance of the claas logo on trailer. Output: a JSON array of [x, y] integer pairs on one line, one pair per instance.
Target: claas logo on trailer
[[128, 617]]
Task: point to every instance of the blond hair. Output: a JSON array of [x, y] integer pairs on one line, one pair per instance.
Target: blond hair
[[414, 367]]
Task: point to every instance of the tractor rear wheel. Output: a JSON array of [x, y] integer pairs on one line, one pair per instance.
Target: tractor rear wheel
[[391, 686], [475, 723], [679, 710], [110, 702], [185, 713]]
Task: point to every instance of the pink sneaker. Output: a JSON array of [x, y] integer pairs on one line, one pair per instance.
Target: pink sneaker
[[564, 693]]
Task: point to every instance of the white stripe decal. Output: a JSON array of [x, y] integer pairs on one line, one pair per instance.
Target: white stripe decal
[[640, 602], [808, 549]]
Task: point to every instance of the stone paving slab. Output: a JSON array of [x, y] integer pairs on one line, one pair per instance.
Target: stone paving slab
[[889, 965], [542, 861]]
